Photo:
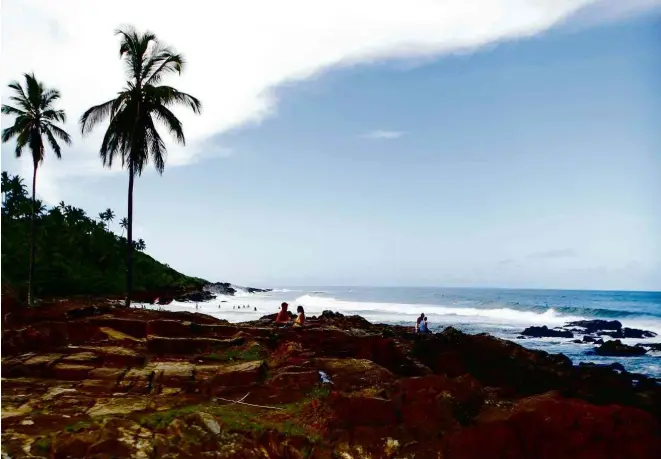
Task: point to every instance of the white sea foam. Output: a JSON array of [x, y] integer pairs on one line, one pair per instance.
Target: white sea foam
[[241, 307], [396, 312]]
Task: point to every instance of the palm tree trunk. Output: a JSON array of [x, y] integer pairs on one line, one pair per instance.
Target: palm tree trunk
[[32, 235], [129, 244]]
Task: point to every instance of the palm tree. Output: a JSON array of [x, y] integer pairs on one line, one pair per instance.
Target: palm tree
[[110, 215], [103, 217], [35, 119], [131, 133], [141, 245], [124, 223]]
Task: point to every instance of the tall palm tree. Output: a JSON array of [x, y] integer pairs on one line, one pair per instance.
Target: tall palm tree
[[131, 133], [36, 118], [141, 245]]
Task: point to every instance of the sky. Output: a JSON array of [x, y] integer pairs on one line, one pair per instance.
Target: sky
[[493, 143]]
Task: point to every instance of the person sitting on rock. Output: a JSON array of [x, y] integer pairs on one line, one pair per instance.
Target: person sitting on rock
[[300, 320], [417, 322], [282, 317]]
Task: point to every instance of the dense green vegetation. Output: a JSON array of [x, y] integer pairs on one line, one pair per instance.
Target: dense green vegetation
[[75, 254]]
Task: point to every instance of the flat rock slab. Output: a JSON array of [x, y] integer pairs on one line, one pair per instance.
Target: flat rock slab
[[118, 405], [82, 357], [164, 345], [71, 372]]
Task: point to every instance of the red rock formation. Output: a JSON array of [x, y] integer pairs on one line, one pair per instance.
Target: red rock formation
[[90, 380]]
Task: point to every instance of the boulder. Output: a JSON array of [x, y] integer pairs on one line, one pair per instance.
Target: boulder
[[546, 332], [627, 332], [196, 297], [354, 374], [593, 326], [548, 426], [618, 349], [354, 410]]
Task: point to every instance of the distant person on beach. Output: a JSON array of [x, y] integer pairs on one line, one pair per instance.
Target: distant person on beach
[[282, 317], [417, 322], [255, 308], [300, 320]]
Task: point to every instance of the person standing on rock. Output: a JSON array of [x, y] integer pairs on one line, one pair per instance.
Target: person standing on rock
[[423, 327], [417, 323]]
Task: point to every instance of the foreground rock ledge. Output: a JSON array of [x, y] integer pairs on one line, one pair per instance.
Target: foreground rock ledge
[[96, 381]]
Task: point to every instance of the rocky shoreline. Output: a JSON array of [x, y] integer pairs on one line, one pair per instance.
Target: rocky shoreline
[[593, 332], [99, 381]]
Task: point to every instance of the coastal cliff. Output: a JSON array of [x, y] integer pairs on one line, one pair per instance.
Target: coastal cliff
[[99, 381]]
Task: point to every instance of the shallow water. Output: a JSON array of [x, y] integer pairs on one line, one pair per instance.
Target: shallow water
[[501, 312]]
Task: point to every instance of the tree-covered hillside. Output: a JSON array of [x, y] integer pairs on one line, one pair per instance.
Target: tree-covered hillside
[[75, 254]]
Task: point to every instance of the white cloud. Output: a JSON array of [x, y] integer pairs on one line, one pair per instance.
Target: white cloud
[[238, 52], [379, 134]]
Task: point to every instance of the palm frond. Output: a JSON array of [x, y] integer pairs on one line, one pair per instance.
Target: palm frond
[[171, 122], [21, 123], [94, 115], [162, 62], [157, 149], [9, 110], [48, 97], [59, 132], [167, 95], [34, 90], [54, 115], [21, 141], [20, 98], [53, 143]]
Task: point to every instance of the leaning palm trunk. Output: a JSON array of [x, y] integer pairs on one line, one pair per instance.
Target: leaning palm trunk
[[32, 235]]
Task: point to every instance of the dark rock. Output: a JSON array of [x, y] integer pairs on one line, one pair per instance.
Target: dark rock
[[258, 290], [546, 332], [588, 339], [577, 341], [617, 349], [617, 366], [221, 288], [290, 314], [196, 297], [627, 332], [593, 326], [653, 346]]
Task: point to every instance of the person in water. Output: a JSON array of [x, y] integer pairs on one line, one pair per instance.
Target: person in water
[[417, 322], [282, 317], [300, 320]]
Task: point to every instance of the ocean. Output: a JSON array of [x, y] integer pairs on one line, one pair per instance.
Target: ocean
[[501, 312]]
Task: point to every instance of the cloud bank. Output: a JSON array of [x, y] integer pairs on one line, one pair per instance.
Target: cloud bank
[[238, 52]]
